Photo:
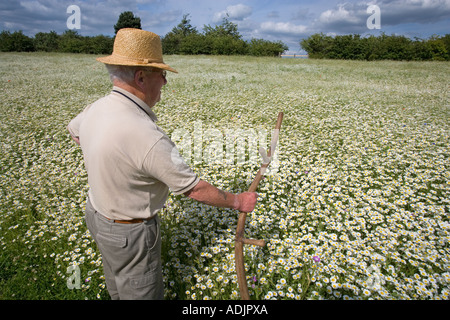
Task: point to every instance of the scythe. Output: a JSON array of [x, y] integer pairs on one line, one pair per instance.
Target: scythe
[[240, 240]]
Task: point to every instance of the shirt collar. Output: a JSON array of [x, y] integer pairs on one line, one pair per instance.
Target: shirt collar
[[138, 101]]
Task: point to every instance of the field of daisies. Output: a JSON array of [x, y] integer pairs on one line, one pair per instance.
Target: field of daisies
[[357, 206]]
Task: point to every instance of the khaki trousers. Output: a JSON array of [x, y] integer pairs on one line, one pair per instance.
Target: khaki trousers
[[131, 255]]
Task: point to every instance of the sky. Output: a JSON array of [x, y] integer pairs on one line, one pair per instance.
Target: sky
[[288, 21]]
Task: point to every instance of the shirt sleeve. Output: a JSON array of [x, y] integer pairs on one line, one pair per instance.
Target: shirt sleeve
[[74, 124], [164, 163]]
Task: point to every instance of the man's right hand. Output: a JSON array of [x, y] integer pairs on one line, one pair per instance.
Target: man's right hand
[[210, 195], [246, 201]]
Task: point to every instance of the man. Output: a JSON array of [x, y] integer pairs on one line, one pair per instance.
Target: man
[[131, 165]]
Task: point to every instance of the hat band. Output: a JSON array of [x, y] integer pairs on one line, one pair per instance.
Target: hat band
[[138, 60]]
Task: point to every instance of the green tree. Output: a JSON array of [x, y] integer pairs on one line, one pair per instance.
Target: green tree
[[371, 48], [97, 45], [437, 48], [15, 41], [5, 41], [223, 39], [71, 41], [261, 47], [225, 29], [318, 45], [195, 43], [48, 42], [102, 44], [394, 47], [127, 20], [172, 41], [446, 41], [349, 47], [184, 28], [383, 47], [227, 45]]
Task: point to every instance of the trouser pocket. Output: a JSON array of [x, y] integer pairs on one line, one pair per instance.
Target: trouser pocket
[[153, 236], [149, 286]]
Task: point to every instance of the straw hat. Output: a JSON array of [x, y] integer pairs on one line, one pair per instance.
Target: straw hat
[[136, 47]]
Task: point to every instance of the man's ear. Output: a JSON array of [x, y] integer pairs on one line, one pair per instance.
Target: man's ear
[[139, 78]]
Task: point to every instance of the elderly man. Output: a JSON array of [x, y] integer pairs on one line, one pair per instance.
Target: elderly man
[[131, 165]]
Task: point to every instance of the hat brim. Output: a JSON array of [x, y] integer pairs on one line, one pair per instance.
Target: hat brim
[[125, 62]]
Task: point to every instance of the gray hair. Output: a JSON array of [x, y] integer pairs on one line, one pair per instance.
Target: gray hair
[[124, 73]]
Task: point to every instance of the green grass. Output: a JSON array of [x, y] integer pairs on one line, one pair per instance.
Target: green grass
[[362, 183]]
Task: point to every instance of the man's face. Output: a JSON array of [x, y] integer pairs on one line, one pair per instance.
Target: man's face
[[152, 84]]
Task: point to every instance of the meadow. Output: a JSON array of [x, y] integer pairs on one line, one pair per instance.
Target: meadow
[[358, 207]]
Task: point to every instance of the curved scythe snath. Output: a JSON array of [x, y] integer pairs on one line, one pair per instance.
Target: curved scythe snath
[[240, 240]]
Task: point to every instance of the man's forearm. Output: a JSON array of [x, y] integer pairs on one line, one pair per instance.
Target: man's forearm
[[210, 195], [206, 193]]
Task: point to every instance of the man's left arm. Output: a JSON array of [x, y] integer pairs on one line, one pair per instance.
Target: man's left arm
[[74, 126]]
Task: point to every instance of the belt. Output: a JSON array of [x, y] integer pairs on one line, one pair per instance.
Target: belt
[[129, 221]]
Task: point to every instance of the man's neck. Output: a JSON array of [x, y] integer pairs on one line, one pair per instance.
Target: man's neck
[[131, 89]]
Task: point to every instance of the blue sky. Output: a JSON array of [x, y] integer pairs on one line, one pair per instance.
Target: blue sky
[[285, 20]]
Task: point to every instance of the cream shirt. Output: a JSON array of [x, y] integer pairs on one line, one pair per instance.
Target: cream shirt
[[131, 163]]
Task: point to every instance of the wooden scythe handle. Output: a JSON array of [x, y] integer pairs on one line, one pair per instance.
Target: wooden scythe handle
[[240, 240]]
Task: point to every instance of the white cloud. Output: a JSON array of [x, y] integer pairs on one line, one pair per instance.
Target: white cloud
[[285, 28], [238, 12], [344, 12], [97, 17], [351, 17], [34, 6], [413, 11]]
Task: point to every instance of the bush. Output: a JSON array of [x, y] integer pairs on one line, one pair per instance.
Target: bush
[[47, 42], [223, 39], [15, 41], [384, 47], [70, 41], [194, 43], [261, 47]]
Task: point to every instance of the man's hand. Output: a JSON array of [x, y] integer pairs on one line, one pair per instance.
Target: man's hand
[[210, 195], [246, 201], [76, 139]]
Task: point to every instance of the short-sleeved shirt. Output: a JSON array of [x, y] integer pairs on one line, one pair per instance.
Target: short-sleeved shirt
[[131, 163]]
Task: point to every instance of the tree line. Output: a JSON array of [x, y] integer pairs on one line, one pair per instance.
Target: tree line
[[69, 41], [223, 39], [383, 47]]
